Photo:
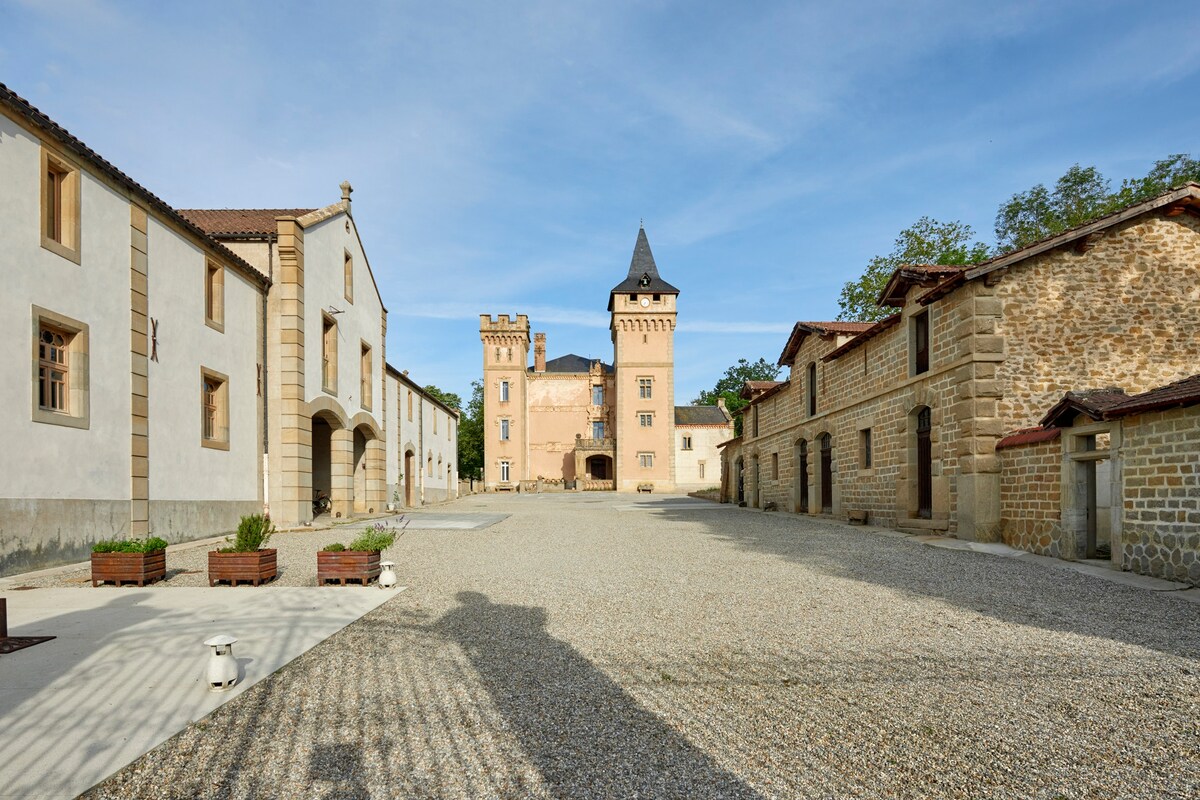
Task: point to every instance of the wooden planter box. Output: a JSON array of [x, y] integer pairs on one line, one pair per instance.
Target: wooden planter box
[[257, 567], [354, 565], [119, 568]]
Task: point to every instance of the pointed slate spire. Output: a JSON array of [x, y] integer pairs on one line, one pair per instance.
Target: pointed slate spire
[[643, 277]]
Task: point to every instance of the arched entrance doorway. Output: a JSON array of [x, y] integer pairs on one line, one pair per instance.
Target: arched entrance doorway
[[599, 468], [740, 469], [826, 442], [323, 426], [410, 483], [801, 459], [757, 484], [924, 463], [359, 459]]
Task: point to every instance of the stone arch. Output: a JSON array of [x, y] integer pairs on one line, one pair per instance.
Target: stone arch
[[826, 499], [329, 409], [801, 456], [918, 495]]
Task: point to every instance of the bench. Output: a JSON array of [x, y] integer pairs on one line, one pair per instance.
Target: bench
[[646, 487]]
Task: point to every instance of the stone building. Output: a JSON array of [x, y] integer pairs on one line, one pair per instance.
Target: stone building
[[174, 370], [899, 422], [422, 455], [573, 421]]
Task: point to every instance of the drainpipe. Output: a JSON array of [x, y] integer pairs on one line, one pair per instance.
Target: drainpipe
[[421, 440]]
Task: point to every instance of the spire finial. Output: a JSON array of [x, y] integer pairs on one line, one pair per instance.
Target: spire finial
[[642, 223]]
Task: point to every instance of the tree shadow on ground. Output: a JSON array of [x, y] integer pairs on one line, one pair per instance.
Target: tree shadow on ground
[[583, 733], [1008, 589]]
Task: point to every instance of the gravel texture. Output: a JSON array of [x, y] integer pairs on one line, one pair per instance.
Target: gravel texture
[[600, 646]]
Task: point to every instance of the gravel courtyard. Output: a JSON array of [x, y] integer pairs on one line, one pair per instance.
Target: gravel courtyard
[[611, 646]]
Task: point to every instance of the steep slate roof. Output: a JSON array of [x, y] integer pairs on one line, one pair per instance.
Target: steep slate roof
[[643, 274], [239, 221], [574, 364], [24, 109], [700, 415], [802, 329]]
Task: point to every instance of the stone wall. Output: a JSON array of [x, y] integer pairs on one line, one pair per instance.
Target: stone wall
[[1160, 531], [1031, 494], [1124, 313]]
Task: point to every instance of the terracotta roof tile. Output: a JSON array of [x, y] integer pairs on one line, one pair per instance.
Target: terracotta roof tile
[[752, 388], [1184, 392], [1028, 436], [239, 221], [870, 333]]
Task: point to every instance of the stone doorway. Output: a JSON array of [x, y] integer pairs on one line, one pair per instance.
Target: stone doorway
[[801, 460], [599, 468], [826, 442], [924, 464], [410, 485], [1091, 480], [322, 466]]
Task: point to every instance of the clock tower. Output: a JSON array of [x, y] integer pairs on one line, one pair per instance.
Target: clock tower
[[643, 308]]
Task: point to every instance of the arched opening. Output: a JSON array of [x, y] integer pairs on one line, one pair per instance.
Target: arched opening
[[924, 463], [359, 461], [825, 442], [801, 485], [757, 490], [599, 468], [322, 469], [410, 484], [740, 469]]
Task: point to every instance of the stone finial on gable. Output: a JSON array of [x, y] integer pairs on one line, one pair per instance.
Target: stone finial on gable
[[346, 190]]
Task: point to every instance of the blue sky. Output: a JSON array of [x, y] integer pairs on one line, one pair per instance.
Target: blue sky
[[502, 154]]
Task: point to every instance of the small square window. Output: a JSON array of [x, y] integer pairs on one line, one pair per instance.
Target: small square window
[[646, 420], [687, 442], [214, 410], [646, 460]]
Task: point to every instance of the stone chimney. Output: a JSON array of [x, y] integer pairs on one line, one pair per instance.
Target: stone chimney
[[346, 190], [721, 405], [539, 352]]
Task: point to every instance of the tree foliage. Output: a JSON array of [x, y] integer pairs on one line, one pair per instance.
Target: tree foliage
[[470, 435], [729, 386], [445, 398], [926, 241], [1081, 195]]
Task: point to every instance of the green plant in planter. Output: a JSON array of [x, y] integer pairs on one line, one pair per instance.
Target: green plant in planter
[[252, 533], [149, 545], [335, 547], [376, 538]]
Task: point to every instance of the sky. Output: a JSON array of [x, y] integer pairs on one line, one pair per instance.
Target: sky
[[503, 155]]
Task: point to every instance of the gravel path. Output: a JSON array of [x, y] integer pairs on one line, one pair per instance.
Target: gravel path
[[591, 646]]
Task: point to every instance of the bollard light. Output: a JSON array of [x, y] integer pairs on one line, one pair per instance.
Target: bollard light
[[222, 672], [387, 575]]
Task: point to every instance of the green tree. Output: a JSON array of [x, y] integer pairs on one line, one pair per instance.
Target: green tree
[[1079, 196], [730, 384], [1174, 170], [926, 241], [470, 435], [445, 398]]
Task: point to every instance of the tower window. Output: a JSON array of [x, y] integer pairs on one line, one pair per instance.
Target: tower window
[[503, 391], [645, 388], [646, 420]]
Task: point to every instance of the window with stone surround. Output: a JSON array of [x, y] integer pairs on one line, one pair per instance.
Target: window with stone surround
[[348, 276], [60, 370], [646, 460], [504, 469], [598, 429], [410, 405], [919, 343], [700, 465], [687, 443], [365, 377], [329, 351], [504, 430], [645, 388], [214, 410], [60, 205], [214, 296], [598, 395], [811, 388], [774, 466], [503, 391], [864, 449], [646, 420]]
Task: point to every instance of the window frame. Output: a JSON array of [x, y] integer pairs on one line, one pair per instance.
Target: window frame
[[65, 238], [329, 354], [686, 443], [646, 460], [595, 423], [214, 295], [505, 429], [866, 455], [505, 471], [366, 377], [645, 419], [78, 397], [505, 391], [221, 438], [348, 276], [645, 388], [597, 392], [921, 333], [811, 387]]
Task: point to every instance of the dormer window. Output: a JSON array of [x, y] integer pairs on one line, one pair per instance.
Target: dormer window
[[644, 280]]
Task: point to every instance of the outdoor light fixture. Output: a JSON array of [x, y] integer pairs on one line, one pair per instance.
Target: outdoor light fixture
[[387, 575], [222, 669]]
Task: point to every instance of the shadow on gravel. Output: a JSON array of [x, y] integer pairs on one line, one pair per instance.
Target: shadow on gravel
[[1006, 589], [585, 735]]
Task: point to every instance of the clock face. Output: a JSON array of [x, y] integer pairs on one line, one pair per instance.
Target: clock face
[[645, 302]]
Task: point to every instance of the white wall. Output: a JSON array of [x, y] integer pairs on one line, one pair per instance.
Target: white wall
[[419, 434], [51, 461], [705, 439], [186, 343], [325, 244]]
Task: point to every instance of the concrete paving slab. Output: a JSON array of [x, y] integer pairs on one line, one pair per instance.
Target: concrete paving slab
[[426, 521], [127, 670]]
